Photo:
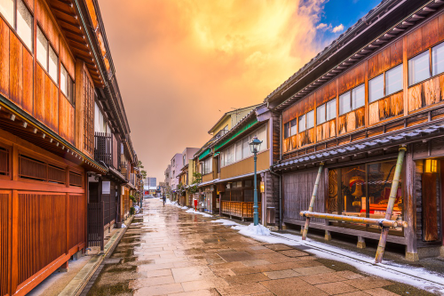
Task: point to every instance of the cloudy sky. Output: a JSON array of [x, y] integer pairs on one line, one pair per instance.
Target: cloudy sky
[[182, 64]]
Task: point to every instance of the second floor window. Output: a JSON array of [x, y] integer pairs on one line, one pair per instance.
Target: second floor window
[[352, 100], [46, 55], [419, 68], [326, 112], [290, 128], [438, 59], [306, 121], [22, 23], [66, 84]]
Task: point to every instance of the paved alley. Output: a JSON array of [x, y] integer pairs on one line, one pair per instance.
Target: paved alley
[[170, 252]]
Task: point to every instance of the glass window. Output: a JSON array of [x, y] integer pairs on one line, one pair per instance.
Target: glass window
[[376, 88], [419, 68], [438, 59], [347, 192], [24, 24], [64, 80], [344, 103], [331, 109], [238, 151], [310, 119], [246, 147], [52, 67], [393, 80], [42, 49], [7, 10], [302, 123], [358, 97], [320, 114], [287, 130], [293, 129]]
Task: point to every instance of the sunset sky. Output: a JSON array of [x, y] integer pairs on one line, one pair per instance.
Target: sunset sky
[[181, 64]]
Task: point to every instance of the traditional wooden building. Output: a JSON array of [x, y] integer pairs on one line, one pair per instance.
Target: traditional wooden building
[[227, 167], [378, 87], [54, 64]]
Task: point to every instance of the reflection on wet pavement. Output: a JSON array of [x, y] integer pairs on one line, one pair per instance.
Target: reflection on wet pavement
[[169, 252]]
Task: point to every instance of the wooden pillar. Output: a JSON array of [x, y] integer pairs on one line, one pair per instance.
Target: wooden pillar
[[14, 244], [327, 235], [361, 243], [411, 252]]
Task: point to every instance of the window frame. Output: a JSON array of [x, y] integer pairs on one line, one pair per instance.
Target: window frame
[[350, 99], [428, 51], [431, 59], [46, 68], [14, 24], [325, 116]]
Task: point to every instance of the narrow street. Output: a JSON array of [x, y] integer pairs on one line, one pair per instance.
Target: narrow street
[[171, 252]]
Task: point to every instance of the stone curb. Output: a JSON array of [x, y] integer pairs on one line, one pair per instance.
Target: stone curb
[[79, 282]]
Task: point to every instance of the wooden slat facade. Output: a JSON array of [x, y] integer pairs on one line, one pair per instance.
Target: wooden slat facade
[[43, 200]]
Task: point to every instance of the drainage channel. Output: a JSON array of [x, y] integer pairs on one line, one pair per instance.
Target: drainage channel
[[382, 268]]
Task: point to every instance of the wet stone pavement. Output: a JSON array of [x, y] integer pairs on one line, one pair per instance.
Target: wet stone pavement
[[170, 252]]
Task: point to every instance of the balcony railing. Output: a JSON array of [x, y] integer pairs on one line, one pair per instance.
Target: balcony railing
[[103, 148]]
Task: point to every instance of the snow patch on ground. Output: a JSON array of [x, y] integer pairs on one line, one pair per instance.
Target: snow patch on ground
[[137, 209], [225, 222], [184, 208], [191, 210], [252, 231]]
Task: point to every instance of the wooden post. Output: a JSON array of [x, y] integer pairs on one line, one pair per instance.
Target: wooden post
[[391, 203], [411, 252], [361, 243], [313, 199], [327, 235]]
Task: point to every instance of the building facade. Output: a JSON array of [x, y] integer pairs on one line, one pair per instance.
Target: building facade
[[375, 90], [54, 66]]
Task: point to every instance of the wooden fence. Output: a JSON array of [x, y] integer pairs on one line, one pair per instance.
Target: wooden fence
[[239, 209]]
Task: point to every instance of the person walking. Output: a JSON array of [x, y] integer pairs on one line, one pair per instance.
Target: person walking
[[164, 199]]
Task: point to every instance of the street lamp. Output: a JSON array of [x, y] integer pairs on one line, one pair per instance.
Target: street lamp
[[255, 145]]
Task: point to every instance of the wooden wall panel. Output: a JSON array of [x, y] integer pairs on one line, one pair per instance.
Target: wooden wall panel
[[5, 256], [430, 34], [441, 27], [386, 108], [39, 97], [66, 121], [326, 130], [4, 58], [396, 50], [53, 115], [28, 82], [351, 121], [414, 43], [42, 231], [77, 220], [425, 94], [297, 191], [15, 70]]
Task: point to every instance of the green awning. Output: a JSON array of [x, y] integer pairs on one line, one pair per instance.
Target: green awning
[[242, 130], [205, 153]]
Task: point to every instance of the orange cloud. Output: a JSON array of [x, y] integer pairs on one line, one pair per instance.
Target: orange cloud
[[179, 62]]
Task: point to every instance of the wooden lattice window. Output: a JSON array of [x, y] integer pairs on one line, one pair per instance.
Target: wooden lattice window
[[56, 174], [89, 115], [4, 161], [75, 179], [39, 170], [30, 168]]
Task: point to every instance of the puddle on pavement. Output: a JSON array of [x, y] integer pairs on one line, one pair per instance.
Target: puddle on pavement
[[114, 278]]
